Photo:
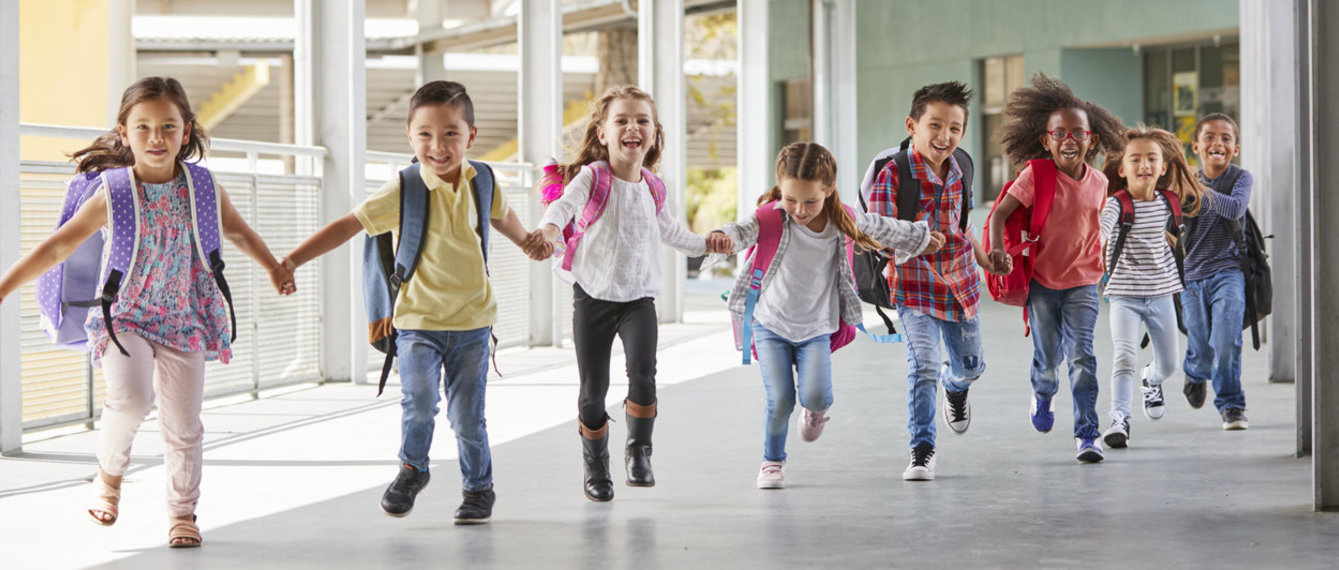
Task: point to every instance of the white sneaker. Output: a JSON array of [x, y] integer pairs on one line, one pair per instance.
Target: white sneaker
[[772, 475], [922, 466], [811, 424], [1153, 402]]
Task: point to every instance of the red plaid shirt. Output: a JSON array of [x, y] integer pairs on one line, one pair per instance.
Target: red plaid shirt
[[944, 284]]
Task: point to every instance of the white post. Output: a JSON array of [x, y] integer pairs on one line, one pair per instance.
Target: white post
[[120, 54], [11, 373], [754, 106], [540, 35], [834, 88], [660, 73], [430, 65], [330, 59]]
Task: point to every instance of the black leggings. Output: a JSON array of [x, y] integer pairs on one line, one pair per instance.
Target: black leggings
[[594, 324]]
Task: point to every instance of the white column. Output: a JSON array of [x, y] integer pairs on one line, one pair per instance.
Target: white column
[[834, 87], [11, 373], [331, 89], [1324, 238], [120, 53], [539, 33], [430, 65], [754, 106], [660, 73]]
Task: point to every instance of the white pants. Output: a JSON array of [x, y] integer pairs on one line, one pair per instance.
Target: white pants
[[178, 379], [1127, 313]]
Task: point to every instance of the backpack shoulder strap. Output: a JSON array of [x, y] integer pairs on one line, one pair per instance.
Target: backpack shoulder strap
[[1178, 230], [968, 169], [600, 182], [764, 251], [908, 188], [483, 185], [123, 209], [1043, 193], [1124, 222], [657, 186], [206, 221], [414, 212]]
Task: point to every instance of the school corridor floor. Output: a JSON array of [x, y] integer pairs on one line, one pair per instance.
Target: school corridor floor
[[292, 480]]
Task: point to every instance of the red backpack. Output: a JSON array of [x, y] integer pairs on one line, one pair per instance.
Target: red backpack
[[1021, 231]]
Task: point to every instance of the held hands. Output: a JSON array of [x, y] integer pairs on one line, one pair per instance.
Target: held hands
[[537, 245], [999, 262], [718, 242], [936, 242], [281, 276]]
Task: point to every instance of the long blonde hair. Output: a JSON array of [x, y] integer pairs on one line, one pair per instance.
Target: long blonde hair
[[810, 162], [592, 150], [1178, 178]]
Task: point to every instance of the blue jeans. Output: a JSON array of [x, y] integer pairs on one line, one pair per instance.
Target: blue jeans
[[1213, 309], [925, 370], [778, 358], [1127, 313], [463, 356], [1062, 326]]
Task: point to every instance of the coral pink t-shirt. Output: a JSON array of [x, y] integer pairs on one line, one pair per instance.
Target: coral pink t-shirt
[[1069, 251]]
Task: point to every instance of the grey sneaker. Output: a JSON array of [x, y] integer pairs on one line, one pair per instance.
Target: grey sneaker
[[1195, 393], [1118, 435], [1234, 419]]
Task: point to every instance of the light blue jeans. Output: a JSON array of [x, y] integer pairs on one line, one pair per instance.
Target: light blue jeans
[[1212, 309], [1062, 327], [925, 370], [1127, 313], [463, 356], [778, 358]]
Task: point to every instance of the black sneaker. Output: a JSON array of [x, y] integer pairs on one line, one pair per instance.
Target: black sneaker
[[1153, 403], [1234, 419], [477, 507], [957, 411], [1118, 435], [399, 497], [1194, 392], [922, 466]]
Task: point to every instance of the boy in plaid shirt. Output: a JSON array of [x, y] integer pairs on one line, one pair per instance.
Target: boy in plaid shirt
[[936, 294]]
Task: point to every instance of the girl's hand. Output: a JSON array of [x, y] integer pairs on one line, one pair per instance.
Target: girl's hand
[[936, 242], [551, 233], [537, 246], [282, 277], [999, 262], [719, 242]]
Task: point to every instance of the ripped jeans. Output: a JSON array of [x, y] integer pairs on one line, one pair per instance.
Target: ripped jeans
[[925, 370]]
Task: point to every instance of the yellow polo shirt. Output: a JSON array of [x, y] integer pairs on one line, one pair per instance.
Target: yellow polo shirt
[[450, 290]]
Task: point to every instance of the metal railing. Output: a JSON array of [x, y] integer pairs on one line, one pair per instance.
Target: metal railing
[[278, 339]]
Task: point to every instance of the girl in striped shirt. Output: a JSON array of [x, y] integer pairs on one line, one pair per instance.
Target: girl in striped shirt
[[1142, 269]]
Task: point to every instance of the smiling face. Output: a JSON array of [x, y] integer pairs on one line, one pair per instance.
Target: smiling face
[[440, 136], [1142, 166], [155, 132], [1068, 152], [803, 200], [628, 131], [1216, 144], [938, 131]]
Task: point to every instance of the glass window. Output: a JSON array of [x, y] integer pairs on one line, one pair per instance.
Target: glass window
[[1184, 83], [999, 77]]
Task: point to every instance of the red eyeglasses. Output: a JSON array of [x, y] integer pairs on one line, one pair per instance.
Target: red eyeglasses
[[1079, 136]]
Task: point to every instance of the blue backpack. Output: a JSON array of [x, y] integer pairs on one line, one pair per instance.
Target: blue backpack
[[67, 291], [387, 265]]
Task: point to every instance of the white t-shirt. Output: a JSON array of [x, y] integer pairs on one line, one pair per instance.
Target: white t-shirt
[[1146, 267], [800, 302], [618, 258]]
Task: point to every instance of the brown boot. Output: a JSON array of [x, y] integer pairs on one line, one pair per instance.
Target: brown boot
[[595, 452], [637, 456]]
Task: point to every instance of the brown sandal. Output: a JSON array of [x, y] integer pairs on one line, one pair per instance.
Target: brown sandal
[[184, 533], [106, 500]]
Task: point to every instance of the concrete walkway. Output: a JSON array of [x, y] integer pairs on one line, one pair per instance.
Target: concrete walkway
[[293, 480]]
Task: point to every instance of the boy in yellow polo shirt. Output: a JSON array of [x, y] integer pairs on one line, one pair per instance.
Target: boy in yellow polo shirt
[[445, 313]]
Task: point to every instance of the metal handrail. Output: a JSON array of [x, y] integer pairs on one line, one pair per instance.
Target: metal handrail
[[231, 145]]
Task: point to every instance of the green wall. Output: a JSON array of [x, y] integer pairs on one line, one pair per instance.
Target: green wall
[[904, 44]]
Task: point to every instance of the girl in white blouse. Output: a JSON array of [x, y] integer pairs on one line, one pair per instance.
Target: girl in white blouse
[[617, 205]]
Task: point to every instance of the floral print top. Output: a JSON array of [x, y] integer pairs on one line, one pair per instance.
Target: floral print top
[[170, 297]]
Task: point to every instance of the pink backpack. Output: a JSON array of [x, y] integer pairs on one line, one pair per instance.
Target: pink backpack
[[601, 181], [761, 255]]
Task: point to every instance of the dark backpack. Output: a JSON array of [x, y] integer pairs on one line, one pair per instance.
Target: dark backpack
[[869, 266], [1254, 260], [387, 265]]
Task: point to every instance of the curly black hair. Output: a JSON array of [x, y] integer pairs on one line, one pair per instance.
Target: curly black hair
[[1029, 110]]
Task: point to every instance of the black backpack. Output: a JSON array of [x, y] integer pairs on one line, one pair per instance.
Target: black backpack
[[870, 283], [1254, 261]]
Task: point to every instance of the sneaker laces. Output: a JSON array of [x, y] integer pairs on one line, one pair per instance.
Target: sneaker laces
[[475, 500], [920, 457], [815, 419], [957, 403], [1153, 395], [771, 469]]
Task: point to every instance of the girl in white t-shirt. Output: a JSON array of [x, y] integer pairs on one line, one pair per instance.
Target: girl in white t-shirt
[[615, 271], [1142, 273], [807, 291]]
